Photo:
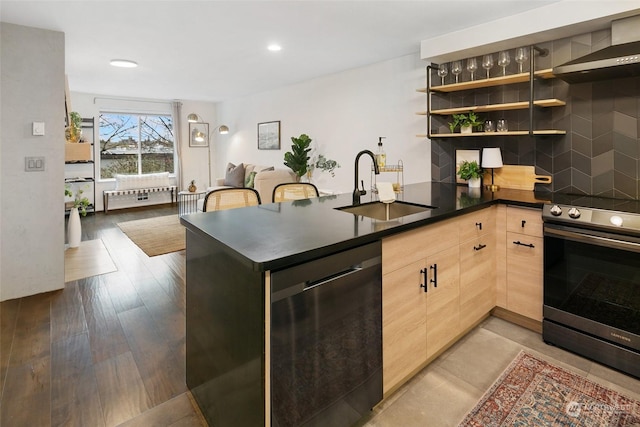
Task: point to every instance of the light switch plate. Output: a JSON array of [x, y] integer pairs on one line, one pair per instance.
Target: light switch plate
[[34, 164], [38, 128]]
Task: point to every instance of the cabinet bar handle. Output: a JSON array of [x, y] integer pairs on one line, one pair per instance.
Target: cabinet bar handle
[[480, 246], [479, 225], [529, 245], [523, 223], [434, 267], [424, 285]]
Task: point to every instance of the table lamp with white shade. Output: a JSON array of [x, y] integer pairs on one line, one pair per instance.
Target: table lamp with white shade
[[492, 158]]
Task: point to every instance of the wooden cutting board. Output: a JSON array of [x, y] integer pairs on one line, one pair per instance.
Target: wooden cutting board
[[516, 177]]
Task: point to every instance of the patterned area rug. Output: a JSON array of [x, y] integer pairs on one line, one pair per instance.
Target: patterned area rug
[[532, 392], [156, 236]]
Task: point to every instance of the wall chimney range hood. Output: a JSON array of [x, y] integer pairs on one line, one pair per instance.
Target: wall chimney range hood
[[621, 59]]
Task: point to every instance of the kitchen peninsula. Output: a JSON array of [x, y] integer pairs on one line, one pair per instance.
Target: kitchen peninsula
[[232, 256]]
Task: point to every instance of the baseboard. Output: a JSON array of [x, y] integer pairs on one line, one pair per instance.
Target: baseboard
[[518, 319]]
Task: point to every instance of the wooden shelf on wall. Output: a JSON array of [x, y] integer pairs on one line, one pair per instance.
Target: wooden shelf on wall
[[523, 105], [509, 133], [493, 81]]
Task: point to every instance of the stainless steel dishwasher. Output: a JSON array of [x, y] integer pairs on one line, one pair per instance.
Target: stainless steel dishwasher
[[326, 339]]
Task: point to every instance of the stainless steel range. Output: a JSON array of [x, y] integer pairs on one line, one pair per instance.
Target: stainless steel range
[[592, 279]]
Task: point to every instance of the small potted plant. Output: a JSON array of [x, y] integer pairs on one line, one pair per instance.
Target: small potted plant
[[466, 122], [73, 132], [325, 165], [472, 172]]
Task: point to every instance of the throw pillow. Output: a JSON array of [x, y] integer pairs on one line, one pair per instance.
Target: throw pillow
[[250, 180], [234, 177]]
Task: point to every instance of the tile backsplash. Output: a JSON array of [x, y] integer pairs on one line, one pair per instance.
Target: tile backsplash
[[600, 153]]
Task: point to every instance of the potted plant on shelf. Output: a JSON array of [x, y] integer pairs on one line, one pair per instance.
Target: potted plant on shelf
[[466, 122], [472, 172], [73, 132], [79, 207], [297, 159]]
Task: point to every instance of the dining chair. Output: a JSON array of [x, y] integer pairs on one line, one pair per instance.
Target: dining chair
[[294, 191], [230, 198]]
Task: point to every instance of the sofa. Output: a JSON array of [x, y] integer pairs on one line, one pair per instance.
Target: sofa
[[261, 178]]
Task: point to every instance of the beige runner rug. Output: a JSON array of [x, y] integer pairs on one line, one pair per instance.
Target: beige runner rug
[[156, 236], [91, 258], [534, 392]]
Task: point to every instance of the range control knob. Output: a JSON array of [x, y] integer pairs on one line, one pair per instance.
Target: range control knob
[[574, 213], [555, 210]]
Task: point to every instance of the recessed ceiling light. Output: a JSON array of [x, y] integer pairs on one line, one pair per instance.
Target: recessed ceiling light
[[124, 63], [274, 47]]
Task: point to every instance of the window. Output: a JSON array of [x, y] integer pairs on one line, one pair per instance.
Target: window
[[136, 144]]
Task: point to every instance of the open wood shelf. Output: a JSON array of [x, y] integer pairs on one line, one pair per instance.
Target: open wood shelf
[[523, 105], [493, 81], [510, 133]]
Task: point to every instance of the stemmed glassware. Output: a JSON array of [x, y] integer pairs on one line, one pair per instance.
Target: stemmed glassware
[[487, 63], [522, 54], [472, 66], [442, 71], [503, 60], [456, 69]]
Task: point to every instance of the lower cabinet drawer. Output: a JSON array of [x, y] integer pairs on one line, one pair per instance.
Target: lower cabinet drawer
[[477, 279], [524, 275]]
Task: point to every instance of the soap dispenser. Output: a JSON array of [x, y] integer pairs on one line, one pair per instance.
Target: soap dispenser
[[381, 157]]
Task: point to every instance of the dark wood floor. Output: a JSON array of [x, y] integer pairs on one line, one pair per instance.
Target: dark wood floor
[[108, 350]]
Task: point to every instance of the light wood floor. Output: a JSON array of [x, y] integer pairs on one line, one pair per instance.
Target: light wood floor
[[107, 350]]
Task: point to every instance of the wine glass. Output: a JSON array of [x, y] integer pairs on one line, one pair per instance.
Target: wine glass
[[472, 66], [487, 63], [442, 71], [456, 69], [503, 60], [522, 54]]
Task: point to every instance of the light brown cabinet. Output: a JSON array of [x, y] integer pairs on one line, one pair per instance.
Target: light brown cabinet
[[420, 295], [477, 266], [524, 262]]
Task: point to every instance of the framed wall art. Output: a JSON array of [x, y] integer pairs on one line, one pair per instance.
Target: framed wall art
[[269, 135], [198, 134]]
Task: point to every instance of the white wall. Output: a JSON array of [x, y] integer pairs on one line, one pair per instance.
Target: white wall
[[343, 113], [31, 203], [554, 21], [194, 159]]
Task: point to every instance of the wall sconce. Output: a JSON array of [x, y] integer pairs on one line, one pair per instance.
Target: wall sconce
[[492, 158]]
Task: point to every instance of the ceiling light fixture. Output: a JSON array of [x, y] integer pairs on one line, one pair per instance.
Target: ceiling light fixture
[[274, 47], [123, 63]]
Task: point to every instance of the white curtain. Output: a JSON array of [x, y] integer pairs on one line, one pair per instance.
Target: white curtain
[[177, 134]]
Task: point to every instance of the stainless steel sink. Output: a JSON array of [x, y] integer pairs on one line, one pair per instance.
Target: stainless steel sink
[[384, 211]]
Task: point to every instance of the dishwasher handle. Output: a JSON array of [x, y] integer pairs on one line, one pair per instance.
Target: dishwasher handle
[[331, 278]]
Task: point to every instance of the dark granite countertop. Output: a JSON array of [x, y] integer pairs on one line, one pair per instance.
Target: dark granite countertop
[[277, 235]]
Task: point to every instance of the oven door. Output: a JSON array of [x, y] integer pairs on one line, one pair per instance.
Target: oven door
[[592, 283]]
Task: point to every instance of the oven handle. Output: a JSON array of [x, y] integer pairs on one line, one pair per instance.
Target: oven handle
[[561, 232]]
